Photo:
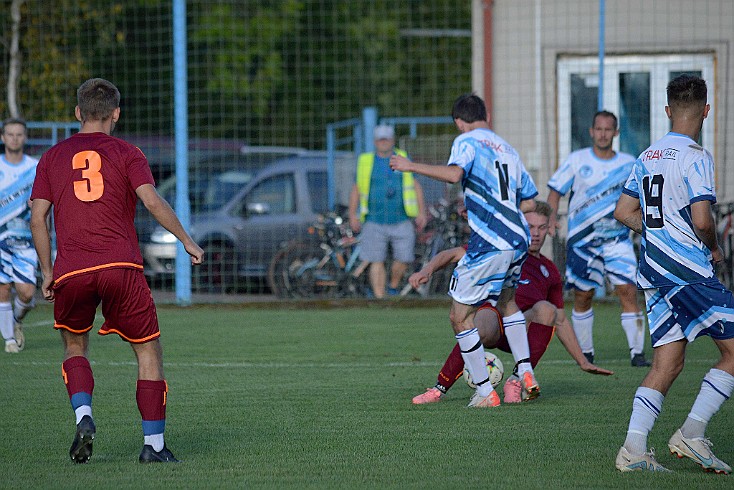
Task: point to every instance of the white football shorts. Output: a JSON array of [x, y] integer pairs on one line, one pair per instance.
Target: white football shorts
[[481, 276]]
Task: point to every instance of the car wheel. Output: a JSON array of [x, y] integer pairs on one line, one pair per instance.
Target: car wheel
[[219, 273]]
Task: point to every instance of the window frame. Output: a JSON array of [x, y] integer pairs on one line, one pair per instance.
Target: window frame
[[658, 65]]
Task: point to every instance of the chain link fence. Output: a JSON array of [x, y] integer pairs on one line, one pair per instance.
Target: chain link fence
[[266, 77]]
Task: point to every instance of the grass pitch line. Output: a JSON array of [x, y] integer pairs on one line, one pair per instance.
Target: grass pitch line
[[315, 365]]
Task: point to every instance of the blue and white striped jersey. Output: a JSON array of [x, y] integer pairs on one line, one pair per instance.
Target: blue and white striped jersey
[[494, 182], [16, 182], [667, 178], [595, 186]]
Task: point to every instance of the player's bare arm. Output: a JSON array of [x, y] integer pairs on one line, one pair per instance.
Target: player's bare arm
[[554, 199], [445, 173], [422, 219], [438, 262], [163, 213], [629, 213], [527, 205], [40, 209], [566, 335], [705, 226]]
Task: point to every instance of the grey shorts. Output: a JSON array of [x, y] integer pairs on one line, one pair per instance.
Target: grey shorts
[[375, 237]]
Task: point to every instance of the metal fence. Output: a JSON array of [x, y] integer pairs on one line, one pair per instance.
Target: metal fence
[[265, 78]]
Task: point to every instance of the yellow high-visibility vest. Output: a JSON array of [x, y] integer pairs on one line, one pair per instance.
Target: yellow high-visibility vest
[[364, 175]]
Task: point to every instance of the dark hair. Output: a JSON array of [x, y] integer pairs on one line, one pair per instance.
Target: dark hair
[[97, 99], [14, 120], [469, 108], [686, 90], [604, 114]]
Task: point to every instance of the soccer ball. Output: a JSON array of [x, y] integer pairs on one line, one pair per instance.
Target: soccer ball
[[494, 367]]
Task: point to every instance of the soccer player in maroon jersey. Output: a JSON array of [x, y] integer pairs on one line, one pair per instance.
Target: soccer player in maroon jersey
[[93, 181], [539, 296]]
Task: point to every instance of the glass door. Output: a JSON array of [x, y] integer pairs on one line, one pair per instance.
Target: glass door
[[634, 89]]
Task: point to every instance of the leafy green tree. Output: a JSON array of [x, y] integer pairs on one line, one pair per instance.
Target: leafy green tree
[[57, 46], [262, 71]]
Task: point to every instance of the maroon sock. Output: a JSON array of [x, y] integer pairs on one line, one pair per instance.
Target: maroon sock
[[151, 398], [539, 337], [451, 370], [79, 380]]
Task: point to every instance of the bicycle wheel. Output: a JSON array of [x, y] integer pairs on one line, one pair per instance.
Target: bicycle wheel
[[297, 273], [277, 274]]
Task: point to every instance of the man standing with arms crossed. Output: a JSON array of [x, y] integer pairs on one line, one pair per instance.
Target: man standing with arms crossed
[[93, 181], [668, 200], [494, 181], [597, 245], [19, 259]]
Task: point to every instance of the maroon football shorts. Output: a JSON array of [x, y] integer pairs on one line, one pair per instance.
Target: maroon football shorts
[[539, 337], [127, 304]]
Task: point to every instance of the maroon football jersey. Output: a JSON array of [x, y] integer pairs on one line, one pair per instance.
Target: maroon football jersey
[[90, 178], [539, 280]]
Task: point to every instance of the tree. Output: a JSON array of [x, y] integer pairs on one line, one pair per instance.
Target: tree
[[58, 43], [14, 64]]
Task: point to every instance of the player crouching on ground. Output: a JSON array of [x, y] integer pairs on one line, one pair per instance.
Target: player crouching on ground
[[539, 296]]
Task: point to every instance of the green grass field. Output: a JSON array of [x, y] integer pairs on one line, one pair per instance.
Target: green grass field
[[299, 396]]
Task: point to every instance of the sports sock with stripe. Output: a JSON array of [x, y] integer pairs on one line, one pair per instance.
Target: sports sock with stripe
[[151, 398], [632, 324], [20, 309], [451, 370], [716, 388], [583, 324], [79, 381], [472, 351], [6, 322], [517, 338], [646, 408]]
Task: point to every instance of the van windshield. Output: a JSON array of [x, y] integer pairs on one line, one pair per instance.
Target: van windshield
[[207, 192]]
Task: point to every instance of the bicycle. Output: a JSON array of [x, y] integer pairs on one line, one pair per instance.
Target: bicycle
[[446, 229], [328, 267]]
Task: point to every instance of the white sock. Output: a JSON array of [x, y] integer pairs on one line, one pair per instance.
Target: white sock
[[583, 323], [6, 322], [81, 411], [20, 309], [646, 408], [632, 326], [517, 337], [641, 332], [716, 387], [155, 440], [472, 351]]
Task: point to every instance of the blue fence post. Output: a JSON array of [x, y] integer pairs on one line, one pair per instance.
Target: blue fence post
[[602, 22], [358, 136], [330, 171], [369, 119], [183, 209]]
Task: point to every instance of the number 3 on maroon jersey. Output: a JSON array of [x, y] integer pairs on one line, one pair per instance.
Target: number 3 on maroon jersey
[[91, 187]]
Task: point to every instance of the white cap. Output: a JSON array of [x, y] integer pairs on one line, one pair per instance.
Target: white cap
[[384, 132]]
